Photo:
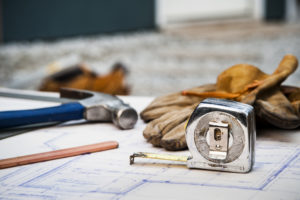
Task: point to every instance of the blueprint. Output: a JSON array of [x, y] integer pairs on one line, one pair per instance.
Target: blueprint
[[108, 175]]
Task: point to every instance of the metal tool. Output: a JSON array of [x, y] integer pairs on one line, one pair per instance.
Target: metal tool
[[92, 106], [220, 135]]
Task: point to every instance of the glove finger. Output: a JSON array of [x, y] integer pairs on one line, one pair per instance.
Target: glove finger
[[158, 112], [153, 130], [293, 95], [152, 134], [175, 139], [286, 67], [174, 101], [176, 118], [157, 128], [296, 105], [276, 109], [178, 99], [291, 92]]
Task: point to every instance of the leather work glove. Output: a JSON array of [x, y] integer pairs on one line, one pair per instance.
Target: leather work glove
[[81, 77], [263, 91], [278, 105], [168, 116]]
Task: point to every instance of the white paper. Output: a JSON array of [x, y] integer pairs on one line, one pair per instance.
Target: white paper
[[108, 175]]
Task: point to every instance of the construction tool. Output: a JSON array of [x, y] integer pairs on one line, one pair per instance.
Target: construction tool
[[220, 135], [52, 155], [76, 104]]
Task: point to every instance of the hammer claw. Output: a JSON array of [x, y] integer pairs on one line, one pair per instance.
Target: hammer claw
[[74, 93]]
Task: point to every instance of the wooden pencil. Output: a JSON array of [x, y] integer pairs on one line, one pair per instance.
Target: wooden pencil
[[52, 155]]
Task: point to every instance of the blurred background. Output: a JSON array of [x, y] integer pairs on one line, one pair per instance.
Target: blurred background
[[160, 46]]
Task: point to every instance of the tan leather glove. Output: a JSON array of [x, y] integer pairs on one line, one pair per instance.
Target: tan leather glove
[[168, 116], [244, 83], [263, 92], [248, 84], [81, 77]]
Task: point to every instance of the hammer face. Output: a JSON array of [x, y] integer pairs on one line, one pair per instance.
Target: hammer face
[[125, 118], [121, 114], [103, 107]]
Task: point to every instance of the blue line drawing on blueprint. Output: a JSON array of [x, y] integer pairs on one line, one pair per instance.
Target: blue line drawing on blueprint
[[77, 176], [108, 175]]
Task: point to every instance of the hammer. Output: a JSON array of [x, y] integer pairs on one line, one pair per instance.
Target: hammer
[[76, 104]]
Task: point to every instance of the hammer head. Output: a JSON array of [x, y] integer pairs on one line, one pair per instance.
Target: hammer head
[[103, 107]]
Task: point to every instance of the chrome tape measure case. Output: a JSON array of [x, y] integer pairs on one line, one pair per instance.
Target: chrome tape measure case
[[220, 135]]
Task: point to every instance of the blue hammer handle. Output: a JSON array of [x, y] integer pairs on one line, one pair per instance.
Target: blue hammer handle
[[64, 112]]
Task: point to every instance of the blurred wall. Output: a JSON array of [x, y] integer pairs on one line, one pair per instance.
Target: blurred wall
[[171, 11], [47, 19], [180, 11]]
